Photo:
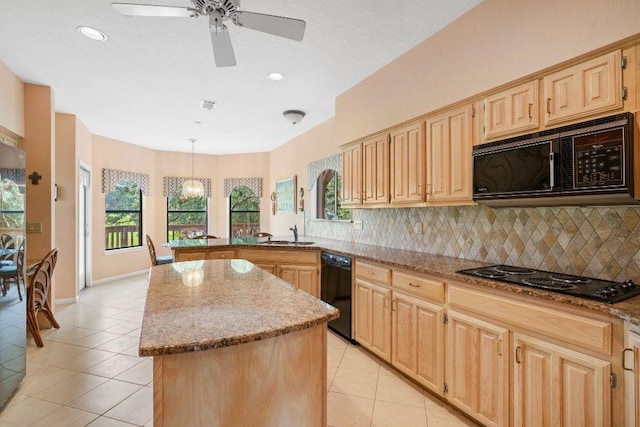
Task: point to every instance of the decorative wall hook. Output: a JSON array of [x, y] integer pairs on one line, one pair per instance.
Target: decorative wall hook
[[35, 177]]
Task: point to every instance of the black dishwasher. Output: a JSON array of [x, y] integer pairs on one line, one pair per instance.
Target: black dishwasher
[[335, 289]]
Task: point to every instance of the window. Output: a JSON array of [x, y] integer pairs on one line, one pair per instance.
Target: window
[[244, 213], [123, 219], [11, 205], [329, 202], [185, 217]]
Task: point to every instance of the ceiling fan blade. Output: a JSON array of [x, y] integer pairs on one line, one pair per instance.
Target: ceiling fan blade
[[130, 9], [222, 48], [277, 25]]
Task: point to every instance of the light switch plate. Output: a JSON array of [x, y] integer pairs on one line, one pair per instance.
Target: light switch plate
[[34, 227]]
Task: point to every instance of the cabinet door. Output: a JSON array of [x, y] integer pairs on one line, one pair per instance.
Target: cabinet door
[[557, 386], [375, 166], [477, 368], [587, 88], [417, 333], [352, 175], [408, 163], [512, 110], [373, 318], [450, 137], [271, 268], [632, 379], [221, 254], [303, 277]]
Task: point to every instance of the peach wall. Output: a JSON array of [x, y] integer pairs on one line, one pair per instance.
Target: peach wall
[[291, 159], [39, 125], [494, 43], [11, 101], [109, 153], [66, 178]]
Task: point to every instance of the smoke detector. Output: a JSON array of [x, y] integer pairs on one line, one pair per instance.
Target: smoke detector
[[207, 104]]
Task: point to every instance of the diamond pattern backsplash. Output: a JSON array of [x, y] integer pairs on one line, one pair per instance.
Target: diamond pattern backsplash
[[602, 242]]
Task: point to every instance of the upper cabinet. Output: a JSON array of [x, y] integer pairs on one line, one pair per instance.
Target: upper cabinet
[[375, 168], [352, 175], [588, 88], [450, 137], [511, 111], [408, 163]]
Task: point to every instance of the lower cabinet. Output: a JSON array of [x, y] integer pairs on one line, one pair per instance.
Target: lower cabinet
[[478, 368], [372, 314], [559, 387], [631, 365], [304, 277], [417, 331]]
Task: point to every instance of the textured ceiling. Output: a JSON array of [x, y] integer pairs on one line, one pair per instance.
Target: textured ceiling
[[144, 85]]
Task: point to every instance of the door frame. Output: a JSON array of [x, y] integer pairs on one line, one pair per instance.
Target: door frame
[[88, 221]]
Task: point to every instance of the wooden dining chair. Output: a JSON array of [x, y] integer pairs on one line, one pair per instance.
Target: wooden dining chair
[[38, 295], [157, 260], [13, 272], [262, 234], [205, 236]]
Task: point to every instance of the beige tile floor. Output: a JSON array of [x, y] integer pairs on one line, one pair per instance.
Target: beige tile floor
[[89, 374]]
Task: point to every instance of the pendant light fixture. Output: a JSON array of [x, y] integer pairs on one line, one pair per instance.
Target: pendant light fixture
[[192, 188]]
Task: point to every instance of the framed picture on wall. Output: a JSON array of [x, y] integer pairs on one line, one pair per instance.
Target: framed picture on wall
[[286, 195]]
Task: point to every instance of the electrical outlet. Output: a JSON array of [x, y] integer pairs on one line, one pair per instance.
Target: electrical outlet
[[357, 225], [418, 228]]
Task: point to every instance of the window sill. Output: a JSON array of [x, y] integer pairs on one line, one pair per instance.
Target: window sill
[[124, 250]]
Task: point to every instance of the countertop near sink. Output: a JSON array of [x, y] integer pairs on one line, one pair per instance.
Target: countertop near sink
[[424, 263]]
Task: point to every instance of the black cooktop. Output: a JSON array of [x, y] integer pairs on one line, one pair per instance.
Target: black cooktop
[[584, 287]]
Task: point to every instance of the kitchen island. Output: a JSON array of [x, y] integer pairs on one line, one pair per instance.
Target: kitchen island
[[234, 345]]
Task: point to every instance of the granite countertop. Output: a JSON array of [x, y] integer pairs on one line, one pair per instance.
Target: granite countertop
[[426, 263], [200, 305]]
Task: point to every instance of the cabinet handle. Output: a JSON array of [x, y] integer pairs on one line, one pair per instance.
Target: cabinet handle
[[549, 106], [414, 285], [393, 301], [623, 359], [499, 347], [530, 110], [518, 351]]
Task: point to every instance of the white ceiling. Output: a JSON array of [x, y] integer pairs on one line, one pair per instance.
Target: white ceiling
[[144, 85]]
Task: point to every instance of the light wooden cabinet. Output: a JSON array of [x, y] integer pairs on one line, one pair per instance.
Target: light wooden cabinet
[[478, 368], [585, 89], [408, 153], [375, 170], [560, 387], [450, 137], [221, 254], [303, 277], [417, 332], [372, 308], [511, 111], [352, 175], [189, 255], [631, 365]]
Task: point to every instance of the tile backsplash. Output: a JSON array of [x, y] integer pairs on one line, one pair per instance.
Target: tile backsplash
[[601, 242]]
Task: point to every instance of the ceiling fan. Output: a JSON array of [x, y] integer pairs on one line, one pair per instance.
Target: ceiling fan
[[218, 12]]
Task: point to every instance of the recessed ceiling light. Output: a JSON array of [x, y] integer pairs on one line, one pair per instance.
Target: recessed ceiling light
[[275, 76], [92, 33]]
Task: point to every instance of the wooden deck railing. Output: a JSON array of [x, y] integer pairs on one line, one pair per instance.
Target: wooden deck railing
[[122, 236]]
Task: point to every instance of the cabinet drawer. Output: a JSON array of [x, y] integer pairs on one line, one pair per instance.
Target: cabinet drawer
[[190, 256], [590, 333], [425, 287], [269, 255], [228, 254], [374, 273]]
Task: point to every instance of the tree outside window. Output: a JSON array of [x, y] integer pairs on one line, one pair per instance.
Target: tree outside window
[[11, 205], [329, 187], [123, 216], [244, 213], [186, 216]]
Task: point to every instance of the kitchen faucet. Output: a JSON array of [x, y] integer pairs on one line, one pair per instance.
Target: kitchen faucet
[[295, 232]]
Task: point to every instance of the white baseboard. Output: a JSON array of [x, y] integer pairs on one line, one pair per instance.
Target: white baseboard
[[67, 300], [121, 276]]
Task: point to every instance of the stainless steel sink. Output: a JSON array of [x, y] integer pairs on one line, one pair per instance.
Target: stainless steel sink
[[284, 242]]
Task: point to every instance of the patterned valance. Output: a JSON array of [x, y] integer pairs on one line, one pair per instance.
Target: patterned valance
[[15, 175], [172, 183], [314, 169], [255, 184], [111, 178]]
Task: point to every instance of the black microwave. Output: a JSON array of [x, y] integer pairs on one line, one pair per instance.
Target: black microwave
[[582, 164]]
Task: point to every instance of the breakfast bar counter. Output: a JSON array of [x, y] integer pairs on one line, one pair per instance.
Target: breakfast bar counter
[[234, 345]]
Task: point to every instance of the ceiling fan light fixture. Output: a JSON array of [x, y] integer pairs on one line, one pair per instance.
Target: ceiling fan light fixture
[[92, 33], [294, 116]]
